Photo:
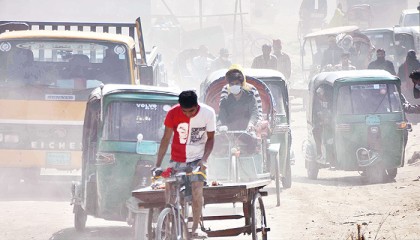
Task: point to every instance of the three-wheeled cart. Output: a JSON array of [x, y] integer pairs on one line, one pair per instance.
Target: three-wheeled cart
[[248, 193]]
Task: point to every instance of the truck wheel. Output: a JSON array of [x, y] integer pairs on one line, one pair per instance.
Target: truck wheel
[[391, 173], [287, 179], [80, 218], [312, 170]]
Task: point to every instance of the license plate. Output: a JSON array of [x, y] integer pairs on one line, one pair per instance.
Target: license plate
[[373, 120], [147, 147], [58, 159]]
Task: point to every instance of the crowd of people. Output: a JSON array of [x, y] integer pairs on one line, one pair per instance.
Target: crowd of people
[[272, 57]]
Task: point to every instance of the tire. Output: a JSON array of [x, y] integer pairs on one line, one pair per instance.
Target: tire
[[287, 179], [150, 221], [258, 221], [313, 170], [376, 174], [391, 173], [166, 226], [80, 218]]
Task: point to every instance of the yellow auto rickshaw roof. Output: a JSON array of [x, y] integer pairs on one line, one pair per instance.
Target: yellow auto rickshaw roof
[[119, 88], [69, 35], [332, 31]]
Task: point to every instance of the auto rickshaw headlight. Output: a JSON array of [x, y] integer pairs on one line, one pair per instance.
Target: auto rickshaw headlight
[[402, 125], [105, 158]]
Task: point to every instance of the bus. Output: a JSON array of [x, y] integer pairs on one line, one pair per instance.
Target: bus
[[46, 77]]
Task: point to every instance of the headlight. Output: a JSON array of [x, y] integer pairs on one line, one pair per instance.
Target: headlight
[[402, 125], [11, 138]]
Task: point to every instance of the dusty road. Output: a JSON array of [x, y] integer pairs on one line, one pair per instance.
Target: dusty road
[[328, 208]]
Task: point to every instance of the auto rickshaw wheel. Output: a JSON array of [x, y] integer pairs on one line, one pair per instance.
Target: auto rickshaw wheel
[[391, 173], [258, 222], [375, 174], [312, 170], [80, 218]]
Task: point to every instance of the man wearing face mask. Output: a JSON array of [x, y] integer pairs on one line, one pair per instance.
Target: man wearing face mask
[[238, 111], [382, 63]]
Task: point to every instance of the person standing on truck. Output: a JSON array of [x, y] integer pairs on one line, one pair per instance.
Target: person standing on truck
[[192, 126]]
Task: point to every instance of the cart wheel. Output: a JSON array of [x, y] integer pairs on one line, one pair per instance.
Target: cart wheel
[[80, 218], [166, 226], [259, 222], [312, 170], [150, 220], [391, 173], [141, 225]]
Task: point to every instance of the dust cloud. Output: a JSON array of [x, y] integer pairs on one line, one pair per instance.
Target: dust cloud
[[182, 30]]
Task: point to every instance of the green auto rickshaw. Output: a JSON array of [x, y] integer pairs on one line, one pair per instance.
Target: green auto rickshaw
[[121, 133], [356, 122]]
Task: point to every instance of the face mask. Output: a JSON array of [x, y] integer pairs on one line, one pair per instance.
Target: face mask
[[235, 89]]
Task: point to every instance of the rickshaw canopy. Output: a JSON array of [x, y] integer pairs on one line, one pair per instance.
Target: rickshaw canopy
[[214, 84]]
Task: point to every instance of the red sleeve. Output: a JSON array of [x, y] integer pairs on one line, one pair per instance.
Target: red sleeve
[[169, 120]]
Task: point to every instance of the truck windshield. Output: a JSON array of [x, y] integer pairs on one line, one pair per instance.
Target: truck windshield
[[410, 20], [368, 98], [125, 120], [61, 65]]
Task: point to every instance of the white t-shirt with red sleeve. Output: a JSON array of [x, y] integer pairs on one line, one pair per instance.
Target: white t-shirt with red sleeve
[[190, 134]]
